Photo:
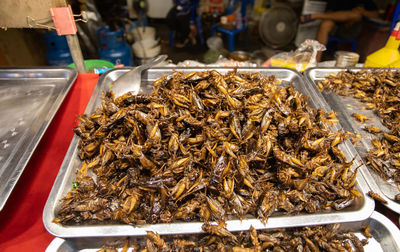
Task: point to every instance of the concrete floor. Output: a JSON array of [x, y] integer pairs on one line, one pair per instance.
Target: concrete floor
[[196, 52]]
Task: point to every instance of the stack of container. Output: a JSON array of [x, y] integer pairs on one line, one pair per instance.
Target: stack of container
[[146, 46]]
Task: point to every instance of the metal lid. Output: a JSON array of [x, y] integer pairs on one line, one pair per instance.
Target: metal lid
[[345, 54]]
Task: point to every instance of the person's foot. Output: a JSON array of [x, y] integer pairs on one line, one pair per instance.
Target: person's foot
[[306, 18], [192, 39], [183, 44]]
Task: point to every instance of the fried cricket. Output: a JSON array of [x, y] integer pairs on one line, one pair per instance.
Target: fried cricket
[[205, 146]]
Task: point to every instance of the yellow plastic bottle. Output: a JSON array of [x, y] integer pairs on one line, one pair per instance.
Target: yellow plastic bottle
[[395, 64], [388, 54]]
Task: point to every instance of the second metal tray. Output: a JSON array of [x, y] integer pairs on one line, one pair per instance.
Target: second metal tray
[[361, 209], [345, 106], [384, 237]]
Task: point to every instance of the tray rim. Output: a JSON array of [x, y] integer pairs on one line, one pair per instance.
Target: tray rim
[[372, 183], [37, 136], [195, 227]]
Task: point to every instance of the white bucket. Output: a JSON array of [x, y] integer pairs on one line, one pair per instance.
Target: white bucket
[[146, 32], [147, 52], [145, 44]]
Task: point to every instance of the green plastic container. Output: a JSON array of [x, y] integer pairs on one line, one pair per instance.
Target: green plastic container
[[94, 63]]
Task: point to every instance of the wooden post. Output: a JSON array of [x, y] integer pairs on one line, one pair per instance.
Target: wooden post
[[76, 53]]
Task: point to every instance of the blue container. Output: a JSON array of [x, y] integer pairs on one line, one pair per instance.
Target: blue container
[[113, 47], [57, 53]]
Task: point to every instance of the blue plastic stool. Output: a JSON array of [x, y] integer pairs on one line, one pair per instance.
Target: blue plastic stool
[[171, 38], [231, 33]]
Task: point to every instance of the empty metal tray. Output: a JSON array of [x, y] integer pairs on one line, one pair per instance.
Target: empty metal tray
[[29, 98]]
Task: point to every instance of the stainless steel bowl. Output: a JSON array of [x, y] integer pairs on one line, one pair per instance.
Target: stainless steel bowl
[[240, 56]]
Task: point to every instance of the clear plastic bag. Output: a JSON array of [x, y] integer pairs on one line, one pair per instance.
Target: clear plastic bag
[[304, 57]]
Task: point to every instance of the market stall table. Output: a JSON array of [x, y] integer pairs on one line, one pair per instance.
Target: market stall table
[[21, 226]]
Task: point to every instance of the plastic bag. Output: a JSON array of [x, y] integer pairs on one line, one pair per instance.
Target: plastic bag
[[304, 57]]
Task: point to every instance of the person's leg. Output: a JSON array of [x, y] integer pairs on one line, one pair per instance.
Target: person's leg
[[183, 27], [328, 21], [338, 16], [325, 28], [172, 20]]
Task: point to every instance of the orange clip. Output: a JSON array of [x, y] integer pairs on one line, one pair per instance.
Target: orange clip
[[64, 21]]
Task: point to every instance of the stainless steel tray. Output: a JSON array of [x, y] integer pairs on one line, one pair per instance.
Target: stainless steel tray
[[361, 209], [346, 106], [385, 237], [29, 98]]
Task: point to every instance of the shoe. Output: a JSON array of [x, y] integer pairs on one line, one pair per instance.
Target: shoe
[[192, 37], [182, 45], [193, 41]]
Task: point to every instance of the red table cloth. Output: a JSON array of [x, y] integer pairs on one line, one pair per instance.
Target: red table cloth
[[21, 226]]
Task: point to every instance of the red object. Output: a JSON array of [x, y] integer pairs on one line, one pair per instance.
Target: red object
[[21, 226], [63, 19], [215, 8], [395, 32], [389, 12]]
